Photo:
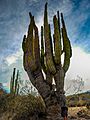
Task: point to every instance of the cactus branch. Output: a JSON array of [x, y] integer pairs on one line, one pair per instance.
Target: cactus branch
[[14, 82], [66, 46], [36, 46], [42, 51], [49, 59], [58, 22], [57, 41]]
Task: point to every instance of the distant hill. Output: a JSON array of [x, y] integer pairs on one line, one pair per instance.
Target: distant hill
[[81, 99]]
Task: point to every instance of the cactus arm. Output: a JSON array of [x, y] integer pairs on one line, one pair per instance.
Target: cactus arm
[[30, 15], [48, 75], [66, 41], [30, 36], [16, 81], [42, 51], [36, 47], [49, 59], [59, 27], [28, 58], [54, 44], [11, 86], [51, 43], [58, 22], [17, 90], [24, 47], [24, 44], [13, 80], [67, 46], [30, 43], [34, 72], [57, 41]]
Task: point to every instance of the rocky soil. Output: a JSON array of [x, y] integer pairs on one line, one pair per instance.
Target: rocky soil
[[79, 113]]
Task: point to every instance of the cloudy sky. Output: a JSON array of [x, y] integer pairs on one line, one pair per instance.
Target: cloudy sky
[[14, 20]]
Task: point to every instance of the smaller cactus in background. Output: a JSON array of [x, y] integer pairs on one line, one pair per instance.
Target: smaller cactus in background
[[14, 86]]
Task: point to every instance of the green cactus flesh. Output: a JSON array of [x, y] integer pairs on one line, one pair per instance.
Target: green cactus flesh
[[49, 59]]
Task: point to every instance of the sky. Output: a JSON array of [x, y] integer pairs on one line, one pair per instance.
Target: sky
[[14, 21]]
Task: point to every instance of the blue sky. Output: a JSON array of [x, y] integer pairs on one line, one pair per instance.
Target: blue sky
[[14, 20]]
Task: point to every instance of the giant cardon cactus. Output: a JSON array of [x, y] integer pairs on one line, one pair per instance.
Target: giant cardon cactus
[[47, 60]]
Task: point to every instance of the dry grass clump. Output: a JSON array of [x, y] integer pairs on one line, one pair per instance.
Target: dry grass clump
[[21, 107]]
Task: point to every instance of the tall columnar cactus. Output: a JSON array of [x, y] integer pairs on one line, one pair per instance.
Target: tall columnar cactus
[[14, 86], [48, 60]]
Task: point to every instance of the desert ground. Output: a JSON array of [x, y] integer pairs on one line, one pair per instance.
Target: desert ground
[[78, 113]]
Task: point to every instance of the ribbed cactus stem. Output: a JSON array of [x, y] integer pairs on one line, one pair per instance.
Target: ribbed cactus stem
[[24, 44], [54, 44], [57, 41], [31, 45], [30, 15], [16, 81], [13, 80], [42, 41], [51, 43], [14, 70], [42, 47], [11, 87], [17, 91], [49, 59], [30, 35], [42, 51], [36, 46], [58, 21], [66, 46], [63, 23]]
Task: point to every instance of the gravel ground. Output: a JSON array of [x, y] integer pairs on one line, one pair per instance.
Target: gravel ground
[[78, 113]]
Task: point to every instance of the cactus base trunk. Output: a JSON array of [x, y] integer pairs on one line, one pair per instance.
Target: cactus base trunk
[[54, 112]]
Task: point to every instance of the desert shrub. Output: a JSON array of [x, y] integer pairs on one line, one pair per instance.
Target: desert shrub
[[88, 106], [21, 107]]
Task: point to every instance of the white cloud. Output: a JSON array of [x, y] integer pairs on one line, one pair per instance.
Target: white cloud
[[13, 58], [7, 84], [80, 65]]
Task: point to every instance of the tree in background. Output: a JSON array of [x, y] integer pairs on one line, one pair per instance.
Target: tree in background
[[76, 85], [48, 61], [26, 88]]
